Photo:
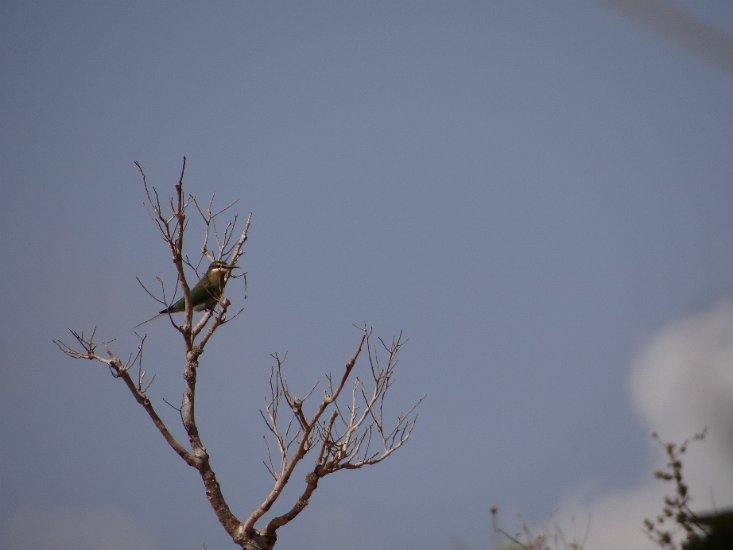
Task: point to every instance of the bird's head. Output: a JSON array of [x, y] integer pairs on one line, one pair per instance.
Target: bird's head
[[220, 269]]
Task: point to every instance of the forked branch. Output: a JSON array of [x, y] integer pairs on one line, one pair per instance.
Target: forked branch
[[348, 429], [172, 222], [86, 348]]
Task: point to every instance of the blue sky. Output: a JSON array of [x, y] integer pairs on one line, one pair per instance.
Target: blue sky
[[537, 193]]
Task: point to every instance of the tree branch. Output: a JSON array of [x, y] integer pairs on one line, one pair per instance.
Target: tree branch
[[88, 350], [344, 432]]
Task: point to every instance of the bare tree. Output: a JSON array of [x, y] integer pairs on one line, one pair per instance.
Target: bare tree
[[346, 428]]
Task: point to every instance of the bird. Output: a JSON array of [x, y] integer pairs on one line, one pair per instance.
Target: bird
[[206, 293]]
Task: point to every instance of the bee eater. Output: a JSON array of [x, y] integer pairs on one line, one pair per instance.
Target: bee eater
[[205, 294]]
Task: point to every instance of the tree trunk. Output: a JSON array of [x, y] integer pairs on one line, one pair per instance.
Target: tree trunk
[[258, 541]]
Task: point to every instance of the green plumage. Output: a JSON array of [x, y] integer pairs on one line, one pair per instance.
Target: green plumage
[[205, 294]]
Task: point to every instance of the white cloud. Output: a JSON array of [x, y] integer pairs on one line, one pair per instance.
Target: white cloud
[[681, 382], [73, 528]]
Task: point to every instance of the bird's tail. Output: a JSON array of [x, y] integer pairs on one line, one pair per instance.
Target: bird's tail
[[152, 318]]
